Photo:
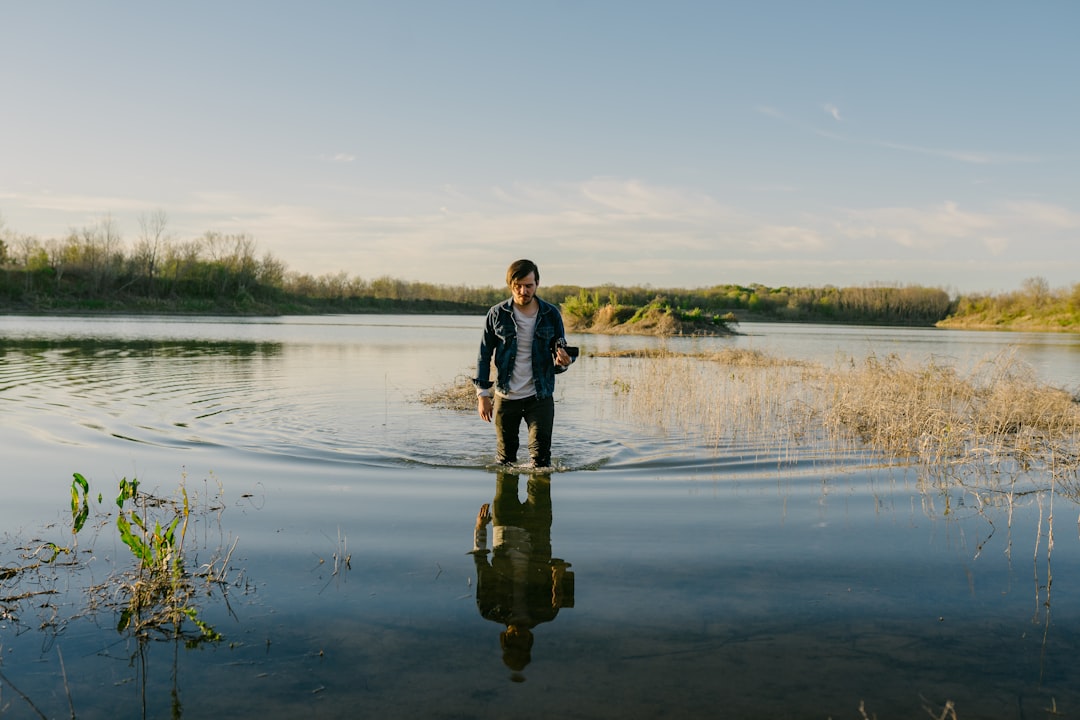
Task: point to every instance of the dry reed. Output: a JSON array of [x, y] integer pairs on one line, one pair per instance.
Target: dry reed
[[996, 414], [725, 398], [725, 356], [996, 420], [459, 394]]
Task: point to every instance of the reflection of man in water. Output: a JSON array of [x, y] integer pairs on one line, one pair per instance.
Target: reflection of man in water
[[522, 585]]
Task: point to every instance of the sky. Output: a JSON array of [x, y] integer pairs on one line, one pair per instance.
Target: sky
[[671, 143]]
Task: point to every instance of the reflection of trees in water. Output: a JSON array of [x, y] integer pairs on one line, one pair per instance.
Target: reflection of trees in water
[[138, 369], [78, 349]]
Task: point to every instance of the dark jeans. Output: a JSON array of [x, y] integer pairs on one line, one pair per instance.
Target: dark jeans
[[539, 415], [533, 515]]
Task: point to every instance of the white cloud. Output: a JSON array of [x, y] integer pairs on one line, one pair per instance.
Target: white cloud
[[791, 238], [71, 204], [996, 245], [915, 228], [1044, 214], [623, 230], [972, 157], [1016, 236]]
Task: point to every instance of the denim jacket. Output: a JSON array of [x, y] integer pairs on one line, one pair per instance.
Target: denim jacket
[[500, 340]]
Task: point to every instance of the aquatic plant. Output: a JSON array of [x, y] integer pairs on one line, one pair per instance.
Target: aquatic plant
[[158, 592], [157, 598], [38, 558], [80, 504], [161, 589]]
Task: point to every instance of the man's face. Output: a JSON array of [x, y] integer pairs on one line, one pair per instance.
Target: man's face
[[524, 290]]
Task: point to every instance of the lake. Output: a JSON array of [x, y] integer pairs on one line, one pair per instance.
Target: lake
[[668, 575]]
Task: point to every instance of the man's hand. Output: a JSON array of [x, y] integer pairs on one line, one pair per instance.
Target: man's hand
[[562, 358], [484, 516], [484, 407]]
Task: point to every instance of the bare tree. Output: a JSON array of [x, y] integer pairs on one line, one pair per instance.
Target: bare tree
[[1037, 290], [271, 271], [99, 251], [59, 253], [151, 245], [111, 245], [3, 243], [30, 252]]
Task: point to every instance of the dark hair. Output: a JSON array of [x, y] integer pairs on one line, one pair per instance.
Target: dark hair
[[521, 268]]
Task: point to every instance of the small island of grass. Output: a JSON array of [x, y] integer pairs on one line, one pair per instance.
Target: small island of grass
[[586, 313]]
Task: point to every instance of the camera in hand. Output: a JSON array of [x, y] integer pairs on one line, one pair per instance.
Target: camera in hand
[[570, 349]]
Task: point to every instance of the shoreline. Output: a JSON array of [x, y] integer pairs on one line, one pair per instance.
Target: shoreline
[[1020, 325]]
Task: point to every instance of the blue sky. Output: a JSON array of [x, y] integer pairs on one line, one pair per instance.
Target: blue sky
[[675, 143]]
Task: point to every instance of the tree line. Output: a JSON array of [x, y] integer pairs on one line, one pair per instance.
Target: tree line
[[1035, 306], [93, 263], [909, 305], [93, 268]]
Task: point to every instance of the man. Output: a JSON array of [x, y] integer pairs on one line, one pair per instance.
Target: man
[[525, 336], [521, 585]]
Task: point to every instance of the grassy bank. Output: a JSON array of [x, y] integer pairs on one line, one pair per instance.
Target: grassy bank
[[268, 304], [1035, 307]]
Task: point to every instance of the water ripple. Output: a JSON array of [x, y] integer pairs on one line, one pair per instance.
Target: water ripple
[[296, 403]]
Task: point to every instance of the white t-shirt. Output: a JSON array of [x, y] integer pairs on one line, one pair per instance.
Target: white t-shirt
[[521, 379]]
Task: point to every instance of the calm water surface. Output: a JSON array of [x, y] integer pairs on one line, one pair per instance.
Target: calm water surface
[[664, 578]]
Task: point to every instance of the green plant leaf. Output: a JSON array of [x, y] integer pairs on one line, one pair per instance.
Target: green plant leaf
[[138, 546], [128, 491], [82, 482], [80, 506]]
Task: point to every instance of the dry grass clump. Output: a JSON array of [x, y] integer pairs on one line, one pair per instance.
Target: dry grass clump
[[896, 409], [998, 412], [731, 396], [997, 421], [715, 398], [609, 316], [458, 394], [726, 356]]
